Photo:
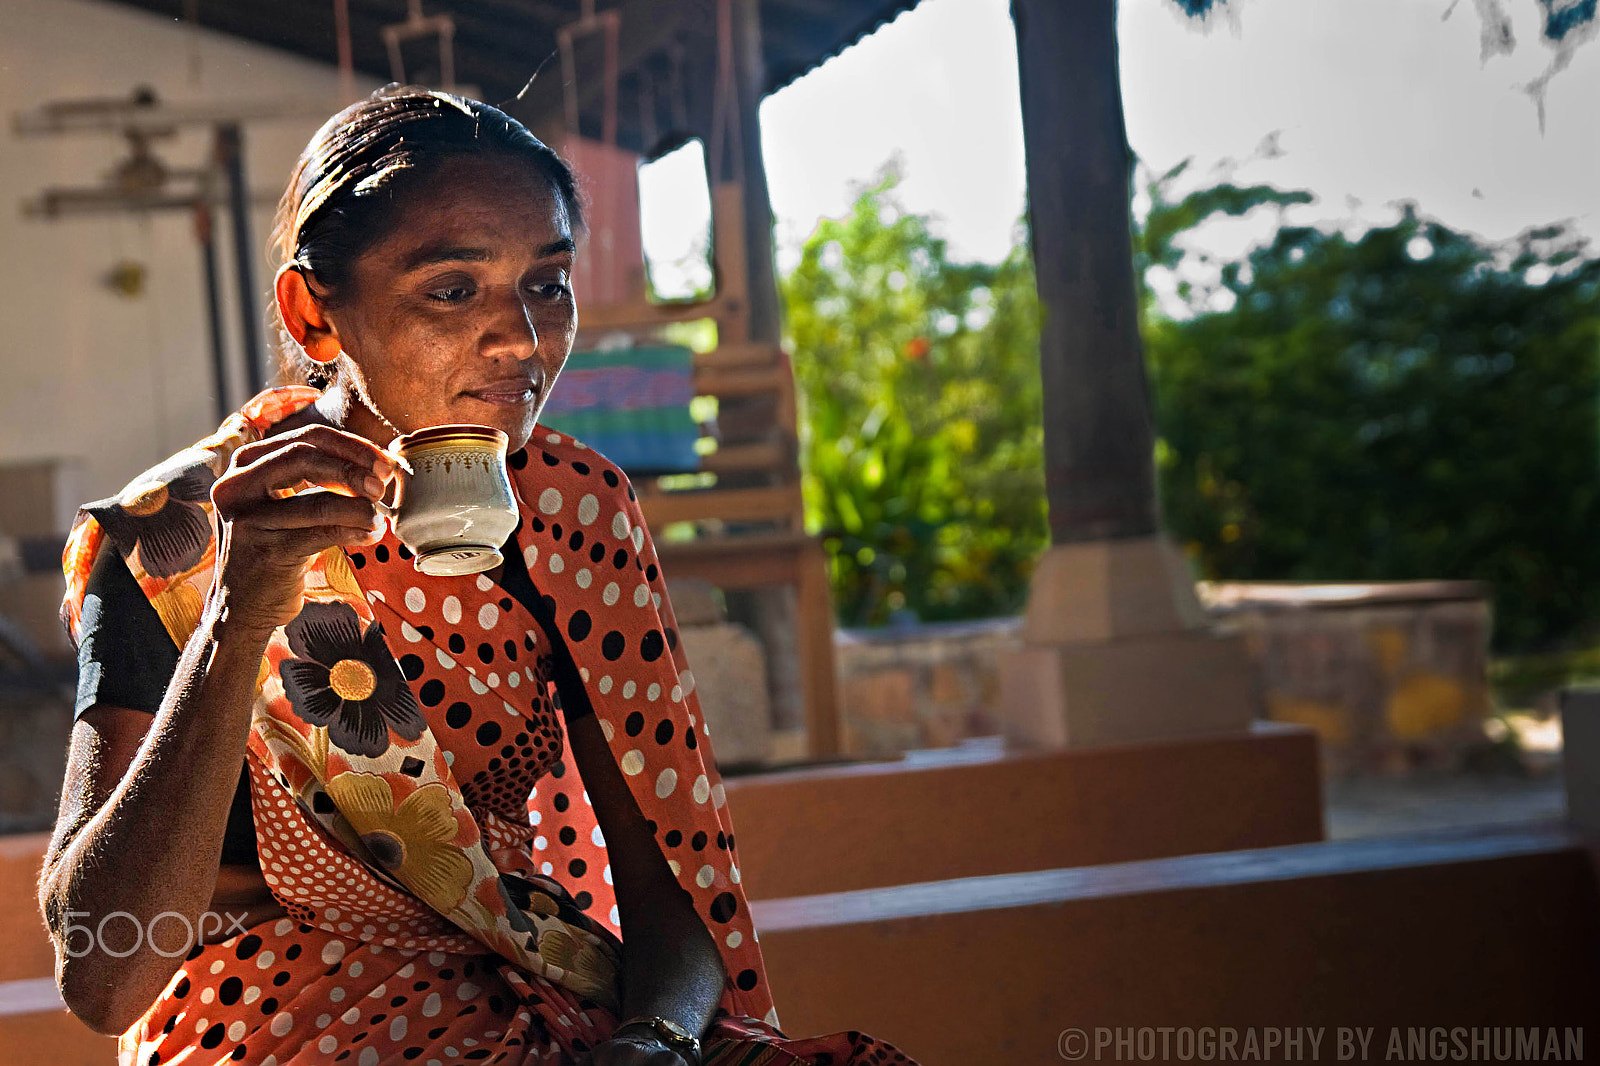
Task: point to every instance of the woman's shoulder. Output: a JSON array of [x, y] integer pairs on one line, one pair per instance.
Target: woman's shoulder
[[160, 521], [162, 518]]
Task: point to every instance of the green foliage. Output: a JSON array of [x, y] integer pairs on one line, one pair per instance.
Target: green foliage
[[1519, 681], [1156, 238], [922, 440], [1411, 403]]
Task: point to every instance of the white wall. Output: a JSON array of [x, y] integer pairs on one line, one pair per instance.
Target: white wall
[[84, 372]]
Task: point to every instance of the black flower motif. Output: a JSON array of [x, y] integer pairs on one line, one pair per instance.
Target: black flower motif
[[518, 898], [164, 521], [347, 680]]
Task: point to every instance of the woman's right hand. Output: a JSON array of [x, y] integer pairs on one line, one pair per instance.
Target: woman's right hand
[[267, 538]]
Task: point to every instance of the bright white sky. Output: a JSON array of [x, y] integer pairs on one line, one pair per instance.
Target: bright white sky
[[1377, 100]]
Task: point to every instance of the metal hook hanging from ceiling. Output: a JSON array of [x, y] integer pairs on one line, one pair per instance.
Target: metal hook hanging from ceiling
[[726, 131], [677, 60], [347, 66], [610, 23], [419, 25]]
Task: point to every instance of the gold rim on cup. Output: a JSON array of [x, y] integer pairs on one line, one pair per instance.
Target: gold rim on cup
[[460, 435]]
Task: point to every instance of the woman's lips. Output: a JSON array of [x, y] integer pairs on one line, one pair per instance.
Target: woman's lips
[[506, 394]]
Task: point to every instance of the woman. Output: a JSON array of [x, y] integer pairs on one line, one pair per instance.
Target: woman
[[478, 819]]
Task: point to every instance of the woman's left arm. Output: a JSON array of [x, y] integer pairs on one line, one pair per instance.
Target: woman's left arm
[[670, 964]]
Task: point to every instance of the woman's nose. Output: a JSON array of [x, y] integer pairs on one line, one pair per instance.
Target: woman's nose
[[511, 333]]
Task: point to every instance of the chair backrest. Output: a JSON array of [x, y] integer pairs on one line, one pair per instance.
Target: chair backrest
[[632, 406]]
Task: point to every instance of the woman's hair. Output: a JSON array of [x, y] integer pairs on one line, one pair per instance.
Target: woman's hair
[[345, 190]]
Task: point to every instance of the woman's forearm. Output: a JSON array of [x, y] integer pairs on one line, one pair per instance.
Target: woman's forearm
[[154, 846], [670, 966]]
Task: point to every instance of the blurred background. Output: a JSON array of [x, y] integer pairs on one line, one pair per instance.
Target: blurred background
[[1364, 387]]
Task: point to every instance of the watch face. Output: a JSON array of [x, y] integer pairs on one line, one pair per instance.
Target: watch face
[[671, 1033], [672, 1028]]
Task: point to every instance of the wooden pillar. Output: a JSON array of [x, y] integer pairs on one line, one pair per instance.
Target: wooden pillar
[[1116, 647], [793, 621], [765, 321], [1097, 430]]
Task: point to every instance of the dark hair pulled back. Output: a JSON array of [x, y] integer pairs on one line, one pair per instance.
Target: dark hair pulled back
[[345, 190]]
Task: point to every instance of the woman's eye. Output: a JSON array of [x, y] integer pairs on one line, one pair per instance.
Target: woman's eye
[[450, 294], [553, 290]]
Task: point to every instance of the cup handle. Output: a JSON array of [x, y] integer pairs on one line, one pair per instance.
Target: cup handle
[[392, 453], [387, 510]]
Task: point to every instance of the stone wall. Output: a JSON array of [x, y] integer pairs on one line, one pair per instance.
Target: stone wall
[[926, 686], [1391, 676]]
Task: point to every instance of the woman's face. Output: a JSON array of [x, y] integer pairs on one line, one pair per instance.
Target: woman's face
[[464, 313]]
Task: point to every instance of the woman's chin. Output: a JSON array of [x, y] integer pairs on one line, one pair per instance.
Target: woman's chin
[[514, 420]]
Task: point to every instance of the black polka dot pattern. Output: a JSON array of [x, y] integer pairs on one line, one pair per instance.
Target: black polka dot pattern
[[486, 693], [724, 907]]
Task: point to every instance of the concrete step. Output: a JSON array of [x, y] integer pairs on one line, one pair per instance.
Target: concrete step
[[976, 809], [1466, 929]]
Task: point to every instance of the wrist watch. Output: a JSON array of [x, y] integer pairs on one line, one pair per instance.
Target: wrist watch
[[669, 1033]]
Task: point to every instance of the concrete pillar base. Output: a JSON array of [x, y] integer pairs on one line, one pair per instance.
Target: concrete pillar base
[[1116, 650], [1115, 692], [1110, 589]]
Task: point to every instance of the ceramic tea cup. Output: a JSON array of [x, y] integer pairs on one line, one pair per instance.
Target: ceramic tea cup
[[454, 507]]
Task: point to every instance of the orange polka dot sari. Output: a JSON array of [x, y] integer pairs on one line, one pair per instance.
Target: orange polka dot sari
[[445, 876]]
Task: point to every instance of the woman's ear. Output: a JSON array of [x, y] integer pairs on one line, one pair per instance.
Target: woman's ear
[[303, 316]]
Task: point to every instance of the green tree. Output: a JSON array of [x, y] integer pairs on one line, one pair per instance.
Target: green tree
[[1159, 229], [922, 441], [1411, 403]]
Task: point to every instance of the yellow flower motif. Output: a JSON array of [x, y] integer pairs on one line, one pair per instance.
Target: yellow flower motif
[[410, 841], [144, 502], [339, 574], [166, 523], [587, 968], [178, 607], [473, 914], [352, 679]]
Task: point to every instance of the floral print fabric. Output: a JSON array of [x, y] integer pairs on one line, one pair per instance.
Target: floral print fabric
[[345, 680], [410, 794]]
